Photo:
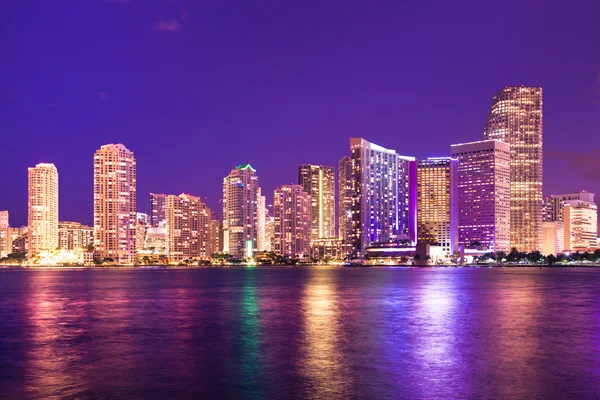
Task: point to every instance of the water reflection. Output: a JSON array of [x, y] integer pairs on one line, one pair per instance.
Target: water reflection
[[323, 361], [54, 362]]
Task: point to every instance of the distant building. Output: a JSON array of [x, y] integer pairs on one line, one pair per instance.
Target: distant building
[[240, 212], [553, 205], [115, 203], [189, 228], [345, 199], [331, 248], [216, 236], [156, 240], [158, 208], [319, 182], [43, 208], [580, 225], [437, 208], [483, 194], [292, 208], [515, 118], [74, 235], [261, 219], [269, 233], [7, 237], [554, 237], [4, 220], [382, 207]]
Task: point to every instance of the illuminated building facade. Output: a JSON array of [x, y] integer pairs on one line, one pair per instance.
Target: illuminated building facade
[[74, 235], [580, 225], [42, 208], [329, 249], [4, 220], [269, 233], [216, 236], [261, 219], [158, 208], [114, 203], [7, 237], [189, 229], [483, 185], [345, 199], [240, 212], [516, 118], [553, 205], [554, 237], [437, 204], [382, 206], [292, 208], [319, 182]]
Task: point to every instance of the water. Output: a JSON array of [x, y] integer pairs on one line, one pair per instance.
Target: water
[[284, 333]]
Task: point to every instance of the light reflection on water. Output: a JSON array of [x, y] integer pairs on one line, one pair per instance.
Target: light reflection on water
[[318, 332]]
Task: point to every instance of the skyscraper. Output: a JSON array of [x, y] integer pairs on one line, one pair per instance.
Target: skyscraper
[[42, 208], [381, 191], [484, 194], [114, 203], [319, 182], [158, 208], [437, 208], [516, 118], [345, 199], [240, 212], [292, 208], [189, 228], [261, 219]]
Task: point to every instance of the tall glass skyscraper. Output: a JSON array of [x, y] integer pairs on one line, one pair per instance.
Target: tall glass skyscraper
[[381, 209], [158, 208], [516, 118], [484, 194], [319, 182], [292, 208], [240, 212]]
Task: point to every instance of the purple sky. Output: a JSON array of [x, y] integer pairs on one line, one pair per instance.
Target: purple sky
[[197, 87]]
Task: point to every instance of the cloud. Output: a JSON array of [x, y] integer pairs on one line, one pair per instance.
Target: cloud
[[583, 164], [102, 95], [169, 25]]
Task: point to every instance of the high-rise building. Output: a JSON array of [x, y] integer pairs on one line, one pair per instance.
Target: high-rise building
[[269, 233], [483, 194], [319, 182], [261, 219], [437, 208], [114, 203], [382, 206], [553, 205], [216, 236], [7, 237], [516, 118], [158, 208], [4, 220], [554, 238], [74, 235], [345, 199], [292, 207], [580, 225], [240, 212], [189, 228], [43, 208]]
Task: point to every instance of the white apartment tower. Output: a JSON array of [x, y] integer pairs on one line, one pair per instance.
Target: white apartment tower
[[114, 203], [42, 208]]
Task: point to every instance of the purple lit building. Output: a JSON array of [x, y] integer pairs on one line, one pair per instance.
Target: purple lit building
[[483, 194], [382, 188]]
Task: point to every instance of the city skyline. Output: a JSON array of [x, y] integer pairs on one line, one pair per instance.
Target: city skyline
[[417, 81]]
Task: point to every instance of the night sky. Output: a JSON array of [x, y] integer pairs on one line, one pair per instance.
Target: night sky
[[194, 88]]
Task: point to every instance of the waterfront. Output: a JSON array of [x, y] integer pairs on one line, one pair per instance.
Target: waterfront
[[300, 332]]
